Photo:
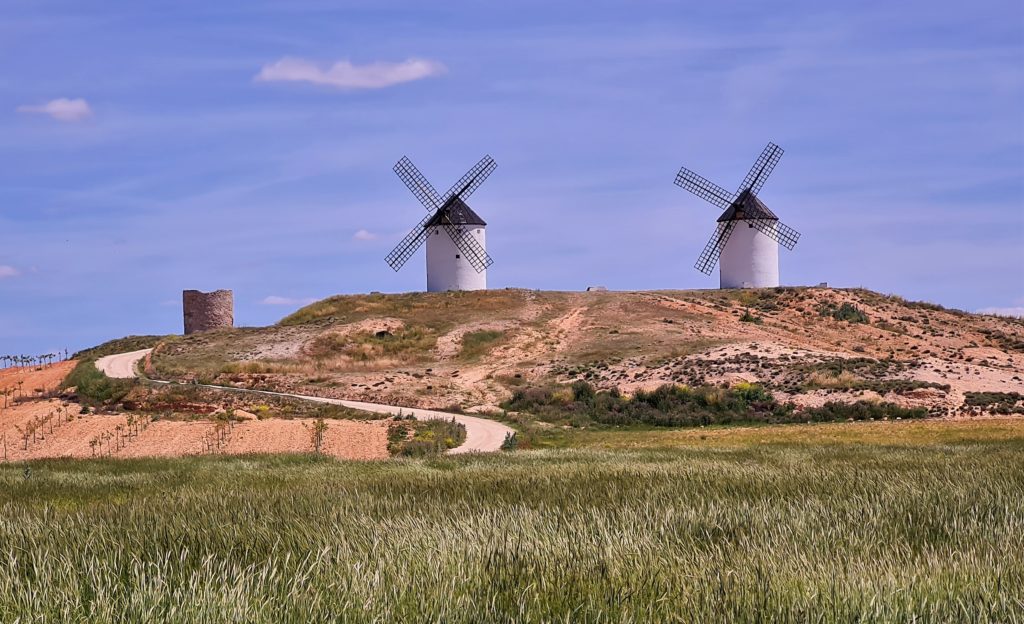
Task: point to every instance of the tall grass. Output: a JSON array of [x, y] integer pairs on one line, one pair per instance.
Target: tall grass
[[795, 532]]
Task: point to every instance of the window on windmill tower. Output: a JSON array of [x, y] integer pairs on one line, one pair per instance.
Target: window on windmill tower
[[457, 256]]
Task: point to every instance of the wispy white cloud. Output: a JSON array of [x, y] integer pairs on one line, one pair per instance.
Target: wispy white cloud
[[1011, 311], [275, 300], [364, 235], [8, 271], [345, 75], [61, 109]]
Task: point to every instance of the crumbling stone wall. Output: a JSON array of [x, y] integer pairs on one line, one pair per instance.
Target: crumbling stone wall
[[206, 311]]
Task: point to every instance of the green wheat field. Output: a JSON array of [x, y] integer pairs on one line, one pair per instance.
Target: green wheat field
[[780, 531]]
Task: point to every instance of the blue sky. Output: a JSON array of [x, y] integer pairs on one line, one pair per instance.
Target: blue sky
[[150, 147]]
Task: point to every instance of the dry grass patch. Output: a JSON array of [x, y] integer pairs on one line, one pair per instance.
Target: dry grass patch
[[475, 344], [408, 344], [824, 379]]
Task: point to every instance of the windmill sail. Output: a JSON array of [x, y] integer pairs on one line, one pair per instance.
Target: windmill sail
[[741, 206], [449, 212]]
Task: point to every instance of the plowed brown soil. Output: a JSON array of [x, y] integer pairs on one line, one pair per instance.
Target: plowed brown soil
[[64, 432], [43, 378]]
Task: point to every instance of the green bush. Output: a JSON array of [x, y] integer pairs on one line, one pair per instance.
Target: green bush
[[667, 406], [94, 388], [510, 442], [750, 318], [846, 312], [861, 410], [429, 437], [997, 402]]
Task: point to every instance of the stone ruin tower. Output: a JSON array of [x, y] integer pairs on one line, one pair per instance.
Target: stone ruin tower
[[206, 311]]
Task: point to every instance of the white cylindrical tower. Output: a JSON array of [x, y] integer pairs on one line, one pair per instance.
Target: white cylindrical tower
[[447, 266], [750, 259]]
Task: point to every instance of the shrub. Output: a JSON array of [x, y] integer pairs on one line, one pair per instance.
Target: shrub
[[997, 402], [849, 313], [510, 442], [668, 405], [750, 318], [861, 410], [94, 388], [845, 312], [429, 437]]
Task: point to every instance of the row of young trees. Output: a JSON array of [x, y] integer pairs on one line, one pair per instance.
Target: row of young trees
[[23, 361], [112, 441], [38, 427], [16, 389]]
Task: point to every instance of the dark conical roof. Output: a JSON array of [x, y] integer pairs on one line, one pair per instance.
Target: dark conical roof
[[457, 213], [747, 206]]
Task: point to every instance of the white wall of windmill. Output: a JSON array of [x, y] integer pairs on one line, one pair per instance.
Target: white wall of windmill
[[447, 266], [749, 260]]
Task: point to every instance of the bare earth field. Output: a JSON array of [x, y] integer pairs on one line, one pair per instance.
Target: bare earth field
[[62, 431], [344, 439], [472, 349], [32, 380]]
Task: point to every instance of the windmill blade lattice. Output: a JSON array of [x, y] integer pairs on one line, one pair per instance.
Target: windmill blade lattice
[[470, 182], [777, 231], [713, 250], [442, 209], [418, 184], [763, 167], [470, 248], [703, 188], [412, 241]]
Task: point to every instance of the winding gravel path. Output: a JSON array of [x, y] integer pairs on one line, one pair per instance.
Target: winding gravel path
[[482, 435]]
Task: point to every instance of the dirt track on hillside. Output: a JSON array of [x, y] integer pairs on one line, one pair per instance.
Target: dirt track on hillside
[[482, 435]]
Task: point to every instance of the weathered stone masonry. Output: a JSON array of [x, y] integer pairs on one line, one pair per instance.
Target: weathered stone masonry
[[206, 311]]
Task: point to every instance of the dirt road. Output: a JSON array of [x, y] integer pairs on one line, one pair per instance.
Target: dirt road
[[482, 435], [122, 365]]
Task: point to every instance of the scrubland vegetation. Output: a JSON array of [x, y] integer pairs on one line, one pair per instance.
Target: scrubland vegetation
[[674, 405], [996, 402], [422, 438], [781, 532]]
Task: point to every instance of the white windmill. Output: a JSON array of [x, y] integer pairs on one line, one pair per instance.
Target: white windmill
[[455, 235], [750, 255]]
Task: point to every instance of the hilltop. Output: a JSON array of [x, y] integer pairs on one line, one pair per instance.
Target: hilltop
[[471, 350]]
